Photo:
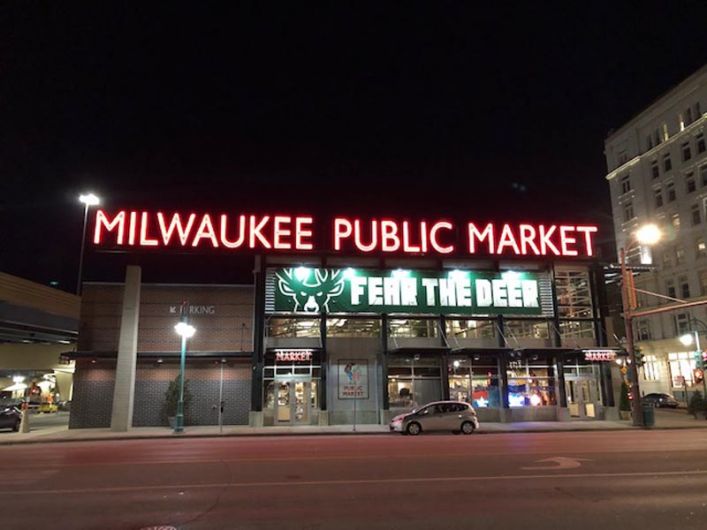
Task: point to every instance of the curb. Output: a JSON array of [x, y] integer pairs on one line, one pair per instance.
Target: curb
[[342, 433]]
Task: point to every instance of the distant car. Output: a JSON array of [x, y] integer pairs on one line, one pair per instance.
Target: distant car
[[454, 416], [660, 400], [10, 418]]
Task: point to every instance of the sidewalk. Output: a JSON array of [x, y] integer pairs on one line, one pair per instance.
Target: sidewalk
[[664, 420]]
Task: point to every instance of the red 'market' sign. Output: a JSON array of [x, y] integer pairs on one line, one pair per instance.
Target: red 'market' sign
[[127, 229]]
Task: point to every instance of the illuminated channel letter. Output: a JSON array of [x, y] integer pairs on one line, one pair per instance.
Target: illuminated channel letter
[[486, 234], [440, 225], [241, 232], [175, 224], [303, 233], [342, 230], [103, 222]]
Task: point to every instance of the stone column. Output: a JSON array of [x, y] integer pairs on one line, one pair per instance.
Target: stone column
[[124, 392]]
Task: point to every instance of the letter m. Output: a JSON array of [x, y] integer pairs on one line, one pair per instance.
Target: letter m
[[103, 222]]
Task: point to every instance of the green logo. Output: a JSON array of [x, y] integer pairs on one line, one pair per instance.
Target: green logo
[[311, 290]]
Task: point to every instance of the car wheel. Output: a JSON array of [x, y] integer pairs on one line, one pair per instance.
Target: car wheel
[[413, 428], [467, 427]]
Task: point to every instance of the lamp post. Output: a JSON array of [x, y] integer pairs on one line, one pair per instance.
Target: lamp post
[[646, 235], [88, 200], [185, 331]]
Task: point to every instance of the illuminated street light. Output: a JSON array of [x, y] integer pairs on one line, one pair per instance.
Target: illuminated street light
[[687, 339], [185, 331], [88, 200], [648, 234]]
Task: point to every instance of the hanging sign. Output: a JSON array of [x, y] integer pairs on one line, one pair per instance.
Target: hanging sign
[[308, 290], [293, 355], [599, 355]]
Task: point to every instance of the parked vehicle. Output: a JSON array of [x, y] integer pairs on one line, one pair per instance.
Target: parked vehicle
[[660, 400], [454, 416], [10, 418]]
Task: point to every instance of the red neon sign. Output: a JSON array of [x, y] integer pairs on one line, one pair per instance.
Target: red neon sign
[[145, 229]]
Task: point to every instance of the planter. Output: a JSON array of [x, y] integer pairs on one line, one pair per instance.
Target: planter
[[625, 415]]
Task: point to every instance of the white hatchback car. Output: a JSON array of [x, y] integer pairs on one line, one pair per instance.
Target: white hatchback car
[[454, 416]]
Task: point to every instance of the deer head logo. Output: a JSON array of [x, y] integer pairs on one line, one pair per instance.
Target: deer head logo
[[310, 289]]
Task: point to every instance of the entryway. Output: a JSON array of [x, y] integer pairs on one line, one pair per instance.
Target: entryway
[[582, 397], [294, 401]]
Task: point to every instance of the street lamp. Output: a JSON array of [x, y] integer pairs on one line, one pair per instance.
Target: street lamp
[[646, 235], [88, 200], [186, 331]]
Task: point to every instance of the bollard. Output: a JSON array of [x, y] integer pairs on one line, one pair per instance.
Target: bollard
[[24, 425]]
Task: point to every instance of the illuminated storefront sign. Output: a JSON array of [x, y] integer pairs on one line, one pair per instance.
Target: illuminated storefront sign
[[309, 290], [125, 229], [293, 355], [599, 355]]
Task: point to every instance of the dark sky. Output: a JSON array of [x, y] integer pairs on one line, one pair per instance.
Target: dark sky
[[404, 108]]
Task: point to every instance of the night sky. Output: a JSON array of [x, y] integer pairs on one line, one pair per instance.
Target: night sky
[[408, 109]]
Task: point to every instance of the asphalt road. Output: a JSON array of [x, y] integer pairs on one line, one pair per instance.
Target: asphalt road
[[625, 480]]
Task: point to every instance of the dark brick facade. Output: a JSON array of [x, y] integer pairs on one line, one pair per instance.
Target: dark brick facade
[[94, 382]]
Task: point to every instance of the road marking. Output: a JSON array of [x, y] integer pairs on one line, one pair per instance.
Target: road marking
[[560, 462], [290, 483]]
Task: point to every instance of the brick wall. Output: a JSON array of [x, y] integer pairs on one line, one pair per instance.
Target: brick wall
[[227, 328], [93, 393]]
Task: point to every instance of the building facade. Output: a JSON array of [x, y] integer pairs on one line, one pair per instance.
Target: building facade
[[345, 340], [657, 173]]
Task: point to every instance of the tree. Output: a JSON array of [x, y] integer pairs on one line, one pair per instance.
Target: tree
[[169, 409], [696, 404], [624, 402]]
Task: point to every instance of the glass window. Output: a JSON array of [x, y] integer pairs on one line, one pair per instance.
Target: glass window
[[658, 195], [471, 329], [690, 184], [686, 154], [667, 163], [696, 214], [703, 175], [700, 249], [628, 212], [700, 140], [531, 383], [474, 381], [679, 255], [643, 330], [655, 169], [527, 329], [681, 366], [649, 142], [625, 184], [651, 368], [675, 220], [670, 288], [579, 329], [574, 296], [353, 327], [684, 287], [425, 328], [292, 327], [703, 282], [670, 188], [682, 323], [667, 258]]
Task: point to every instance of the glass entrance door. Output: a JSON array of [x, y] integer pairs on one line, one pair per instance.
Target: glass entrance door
[[293, 402], [582, 397]]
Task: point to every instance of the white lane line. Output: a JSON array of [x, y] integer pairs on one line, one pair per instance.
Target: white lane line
[[411, 480]]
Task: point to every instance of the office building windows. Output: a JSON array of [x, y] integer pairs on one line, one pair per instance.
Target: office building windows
[[643, 330], [696, 214], [700, 248], [703, 282], [700, 141], [628, 212], [651, 368], [675, 221], [686, 153], [690, 184], [682, 323], [649, 142], [655, 169], [667, 163], [679, 255], [670, 189], [684, 287], [670, 288], [658, 195], [703, 175], [665, 132]]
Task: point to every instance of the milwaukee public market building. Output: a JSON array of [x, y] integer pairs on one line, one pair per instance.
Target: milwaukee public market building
[[347, 320]]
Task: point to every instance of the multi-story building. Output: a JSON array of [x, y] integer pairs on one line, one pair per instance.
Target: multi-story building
[[657, 173]]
